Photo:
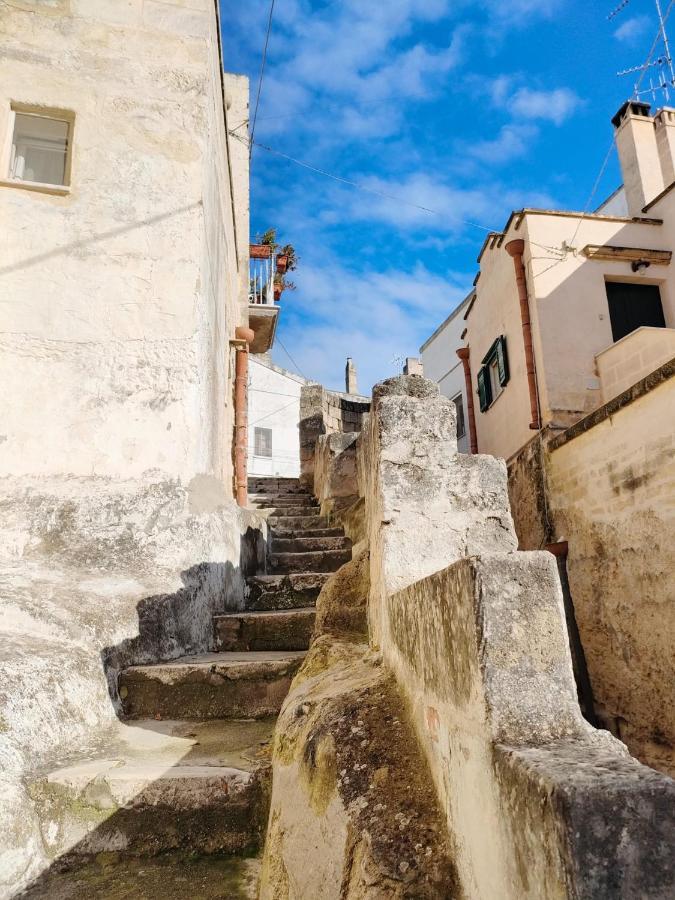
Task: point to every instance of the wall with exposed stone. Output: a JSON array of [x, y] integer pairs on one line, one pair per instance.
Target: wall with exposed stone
[[120, 295], [325, 412], [470, 637], [476, 638], [97, 575]]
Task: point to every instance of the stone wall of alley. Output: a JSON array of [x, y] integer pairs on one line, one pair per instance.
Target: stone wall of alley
[[535, 802], [607, 487]]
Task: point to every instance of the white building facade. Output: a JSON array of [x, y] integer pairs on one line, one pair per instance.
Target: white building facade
[[274, 418], [442, 365]]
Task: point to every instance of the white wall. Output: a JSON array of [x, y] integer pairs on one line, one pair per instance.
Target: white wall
[[442, 365], [118, 300], [274, 403]]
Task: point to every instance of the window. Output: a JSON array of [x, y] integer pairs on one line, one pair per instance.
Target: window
[[493, 376], [459, 405], [633, 305], [263, 442], [40, 151]]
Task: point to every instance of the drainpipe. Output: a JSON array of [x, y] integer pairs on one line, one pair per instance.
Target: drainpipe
[[516, 249], [560, 551], [244, 336], [464, 354]]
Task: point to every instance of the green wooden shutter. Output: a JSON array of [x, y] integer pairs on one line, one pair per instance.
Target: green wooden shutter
[[484, 389], [502, 362]]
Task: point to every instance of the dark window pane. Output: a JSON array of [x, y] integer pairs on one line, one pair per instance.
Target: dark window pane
[[633, 305]]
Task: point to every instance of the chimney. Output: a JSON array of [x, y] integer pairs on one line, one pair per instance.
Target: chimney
[[638, 155], [413, 366], [664, 123], [350, 377]]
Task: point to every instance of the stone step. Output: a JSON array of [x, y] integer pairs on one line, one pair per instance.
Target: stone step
[[297, 523], [272, 501], [305, 544], [210, 686], [293, 591], [289, 629], [167, 877], [276, 485], [314, 561], [280, 533], [293, 511], [156, 787]]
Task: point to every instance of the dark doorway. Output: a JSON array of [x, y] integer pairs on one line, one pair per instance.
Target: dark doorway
[[633, 305]]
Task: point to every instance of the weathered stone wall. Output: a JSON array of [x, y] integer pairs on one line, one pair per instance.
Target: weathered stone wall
[[353, 814], [120, 297], [325, 412], [612, 495], [539, 803], [96, 575], [527, 484], [335, 480]]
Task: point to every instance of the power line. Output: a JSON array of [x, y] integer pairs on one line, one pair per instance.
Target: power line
[[262, 75], [273, 413], [292, 360], [605, 162], [361, 187]]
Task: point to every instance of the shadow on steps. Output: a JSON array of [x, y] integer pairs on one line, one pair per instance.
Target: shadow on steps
[[155, 800]]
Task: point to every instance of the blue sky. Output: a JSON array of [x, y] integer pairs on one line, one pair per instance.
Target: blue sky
[[469, 107]]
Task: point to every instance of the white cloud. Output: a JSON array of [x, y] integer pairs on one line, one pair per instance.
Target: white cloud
[[554, 106], [512, 142], [371, 316], [632, 30]]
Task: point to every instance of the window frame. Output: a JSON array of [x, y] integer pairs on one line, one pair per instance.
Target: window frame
[[496, 359], [454, 399], [44, 112], [256, 445]]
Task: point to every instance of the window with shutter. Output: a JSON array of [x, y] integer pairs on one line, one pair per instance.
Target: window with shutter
[[502, 361], [494, 373], [484, 389]]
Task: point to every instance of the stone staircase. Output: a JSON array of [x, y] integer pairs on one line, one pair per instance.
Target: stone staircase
[[188, 770]]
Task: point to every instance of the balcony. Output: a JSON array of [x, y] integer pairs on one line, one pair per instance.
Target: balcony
[[632, 358], [262, 296]]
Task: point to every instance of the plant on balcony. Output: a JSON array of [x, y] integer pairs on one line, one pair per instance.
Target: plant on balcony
[[287, 260]]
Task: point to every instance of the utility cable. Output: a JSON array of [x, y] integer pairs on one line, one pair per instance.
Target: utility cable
[[262, 75], [386, 196], [636, 90], [292, 360], [273, 413]]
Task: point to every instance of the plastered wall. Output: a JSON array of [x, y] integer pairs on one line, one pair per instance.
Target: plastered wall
[[612, 496], [118, 300]]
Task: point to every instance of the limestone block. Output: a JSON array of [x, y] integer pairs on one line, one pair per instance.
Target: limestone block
[[352, 813], [480, 651], [426, 505]]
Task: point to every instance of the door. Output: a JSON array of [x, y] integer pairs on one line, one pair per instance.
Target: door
[[633, 305]]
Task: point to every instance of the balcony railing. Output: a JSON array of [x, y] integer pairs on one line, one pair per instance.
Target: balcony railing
[[263, 267]]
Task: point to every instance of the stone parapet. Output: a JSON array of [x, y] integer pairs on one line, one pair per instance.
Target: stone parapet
[[542, 805]]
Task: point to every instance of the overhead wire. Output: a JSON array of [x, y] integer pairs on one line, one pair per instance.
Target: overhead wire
[[273, 413], [262, 75], [386, 196], [605, 162], [292, 360]]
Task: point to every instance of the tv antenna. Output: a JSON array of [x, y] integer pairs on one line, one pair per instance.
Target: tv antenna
[[660, 68]]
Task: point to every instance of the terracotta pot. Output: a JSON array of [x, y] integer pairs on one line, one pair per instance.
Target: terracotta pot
[[260, 251], [282, 264], [278, 290]]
